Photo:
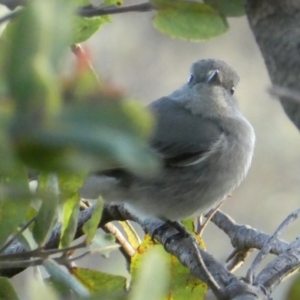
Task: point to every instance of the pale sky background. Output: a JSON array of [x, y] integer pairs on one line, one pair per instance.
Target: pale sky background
[[147, 65]]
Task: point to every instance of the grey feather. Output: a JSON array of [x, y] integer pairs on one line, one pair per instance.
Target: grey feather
[[181, 139]]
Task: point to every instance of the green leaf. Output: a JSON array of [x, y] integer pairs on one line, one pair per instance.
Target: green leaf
[[294, 290], [48, 212], [15, 201], [188, 20], [7, 290], [132, 235], [70, 220], [27, 240], [106, 134], [183, 285], [69, 185], [230, 8], [190, 226], [145, 274], [36, 40], [90, 227], [96, 281], [84, 28]]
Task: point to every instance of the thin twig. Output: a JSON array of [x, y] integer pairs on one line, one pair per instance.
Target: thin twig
[[208, 216], [203, 265], [71, 259], [236, 259], [126, 249], [103, 11], [268, 244], [22, 229], [21, 263], [83, 59], [40, 253]]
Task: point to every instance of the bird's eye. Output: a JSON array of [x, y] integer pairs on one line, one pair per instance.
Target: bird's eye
[[191, 78], [232, 89]]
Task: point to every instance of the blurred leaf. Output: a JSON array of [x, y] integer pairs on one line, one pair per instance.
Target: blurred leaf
[[90, 227], [15, 201], [7, 291], [48, 212], [36, 40], [132, 235], [293, 292], [27, 240], [84, 28], [96, 281], [86, 79], [65, 278], [70, 220], [103, 135], [8, 162], [37, 290], [59, 287], [69, 184], [147, 272], [230, 8], [188, 20], [104, 244], [182, 285]]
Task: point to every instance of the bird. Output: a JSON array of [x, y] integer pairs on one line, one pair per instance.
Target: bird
[[205, 145]]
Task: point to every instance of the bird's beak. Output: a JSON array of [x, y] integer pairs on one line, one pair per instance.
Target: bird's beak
[[214, 77]]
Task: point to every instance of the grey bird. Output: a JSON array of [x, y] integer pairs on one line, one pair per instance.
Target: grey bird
[[204, 141]]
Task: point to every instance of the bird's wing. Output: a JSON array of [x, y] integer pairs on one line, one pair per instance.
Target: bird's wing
[[182, 139]]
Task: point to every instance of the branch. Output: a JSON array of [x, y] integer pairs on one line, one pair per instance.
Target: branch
[[182, 248], [85, 11], [268, 244], [90, 11], [279, 269], [244, 237]]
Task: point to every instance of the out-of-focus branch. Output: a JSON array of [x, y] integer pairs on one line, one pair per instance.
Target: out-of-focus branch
[[85, 11], [12, 4], [90, 11], [275, 25]]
